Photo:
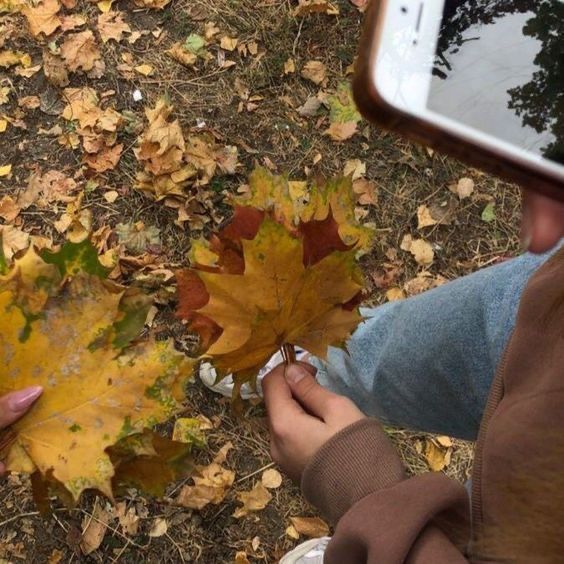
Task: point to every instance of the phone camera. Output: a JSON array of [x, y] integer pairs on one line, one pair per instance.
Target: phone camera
[[404, 9]]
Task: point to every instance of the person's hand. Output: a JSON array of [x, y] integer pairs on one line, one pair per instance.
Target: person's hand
[[302, 415], [543, 222], [15, 405]]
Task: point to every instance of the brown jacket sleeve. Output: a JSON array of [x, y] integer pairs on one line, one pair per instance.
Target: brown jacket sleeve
[[357, 480]]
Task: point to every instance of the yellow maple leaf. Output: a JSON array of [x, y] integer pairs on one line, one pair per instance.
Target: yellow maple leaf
[[43, 17], [68, 336], [278, 296]]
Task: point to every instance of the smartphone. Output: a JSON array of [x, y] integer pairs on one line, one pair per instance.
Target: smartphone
[[482, 80]]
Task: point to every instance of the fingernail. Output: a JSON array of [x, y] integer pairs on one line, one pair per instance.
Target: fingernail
[[21, 400], [294, 373], [526, 229]]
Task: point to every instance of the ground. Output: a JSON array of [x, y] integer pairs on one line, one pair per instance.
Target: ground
[[253, 105]]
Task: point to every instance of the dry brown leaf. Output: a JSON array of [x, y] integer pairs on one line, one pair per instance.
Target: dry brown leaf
[[154, 4], [241, 558], [316, 71], [310, 107], [158, 528], [367, 192], [128, 518], [145, 69], [181, 55], [52, 186], [313, 527], [292, 533], [395, 294], [464, 188], [444, 441], [228, 43], [354, 168], [253, 500], [94, 529], [437, 458], [9, 209], [112, 26], [289, 66], [42, 18], [342, 131], [306, 7], [424, 217], [106, 159], [421, 250], [271, 479], [13, 240], [80, 51], [55, 69], [29, 102]]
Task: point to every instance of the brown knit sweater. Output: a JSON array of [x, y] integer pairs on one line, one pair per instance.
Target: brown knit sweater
[[357, 479]]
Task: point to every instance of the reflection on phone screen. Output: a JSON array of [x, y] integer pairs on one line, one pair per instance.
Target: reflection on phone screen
[[499, 67]]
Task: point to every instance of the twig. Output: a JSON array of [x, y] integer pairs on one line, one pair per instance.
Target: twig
[[16, 517], [255, 472]]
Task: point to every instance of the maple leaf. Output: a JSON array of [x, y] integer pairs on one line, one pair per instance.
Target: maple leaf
[[112, 26], [67, 329], [42, 18], [343, 114], [80, 51], [294, 204], [267, 288]]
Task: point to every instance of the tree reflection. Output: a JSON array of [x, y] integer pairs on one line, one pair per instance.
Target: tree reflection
[[540, 102]]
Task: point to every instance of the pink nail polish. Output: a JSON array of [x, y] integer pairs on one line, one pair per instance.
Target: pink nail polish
[[22, 399]]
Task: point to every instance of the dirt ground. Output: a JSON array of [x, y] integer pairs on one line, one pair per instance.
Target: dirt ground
[[268, 130]]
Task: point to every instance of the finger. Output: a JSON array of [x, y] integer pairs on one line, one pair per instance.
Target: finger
[[543, 222], [308, 366], [278, 395], [14, 405], [313, 397]]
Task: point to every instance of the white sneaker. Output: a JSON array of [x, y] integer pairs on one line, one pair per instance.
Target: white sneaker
[[208, 376], [309, 552]]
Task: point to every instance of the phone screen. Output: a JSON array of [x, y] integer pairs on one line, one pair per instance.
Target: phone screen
[[499, 68]]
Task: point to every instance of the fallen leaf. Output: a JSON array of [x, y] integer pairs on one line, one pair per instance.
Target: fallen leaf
[[464, 188], [228, 43], [9, 209], [316, 71], [421, 250], [112, 26], [94, 529], [54, 69], [437, 458], [367, 192], [5, 170], [106, 159], [77, 346], [179, 53], [292, 533], [253, 500], [241, 558], [144, 69], [158, 528], [13, 241], [424, 217], [488, 214], [306, 7], [313, 527], [210, 486], [354, 168], [136, 237], [128, 518], [154, 4], [271, 479], [395, 294], [343, 114], [444, 441], [80, 51], [42, 18], [310, 107], [289, 66]]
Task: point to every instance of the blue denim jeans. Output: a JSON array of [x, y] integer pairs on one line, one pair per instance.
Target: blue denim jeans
[[427, 363]]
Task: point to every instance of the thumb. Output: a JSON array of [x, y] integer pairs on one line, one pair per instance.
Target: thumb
[[305, 389]]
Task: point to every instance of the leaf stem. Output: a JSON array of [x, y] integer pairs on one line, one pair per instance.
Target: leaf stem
[[288, 353]]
